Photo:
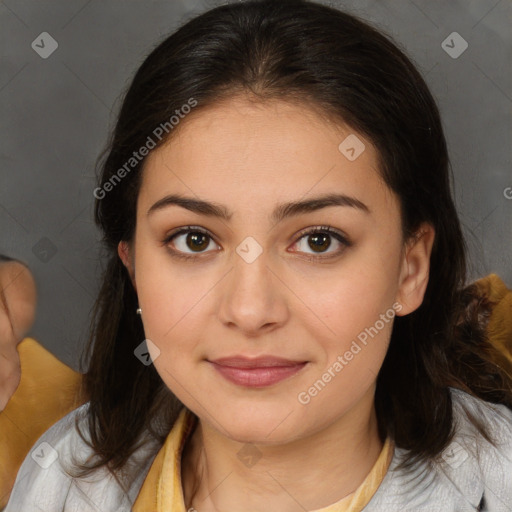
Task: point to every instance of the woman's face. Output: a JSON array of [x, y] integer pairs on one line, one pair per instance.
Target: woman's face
[[255, 281]]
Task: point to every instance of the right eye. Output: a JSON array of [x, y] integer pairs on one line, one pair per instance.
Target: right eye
[[189, 238]]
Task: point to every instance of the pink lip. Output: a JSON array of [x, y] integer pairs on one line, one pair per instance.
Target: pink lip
[[255, 362], [257, 372]]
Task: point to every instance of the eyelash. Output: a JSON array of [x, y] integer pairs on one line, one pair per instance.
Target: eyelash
[[308, 231]]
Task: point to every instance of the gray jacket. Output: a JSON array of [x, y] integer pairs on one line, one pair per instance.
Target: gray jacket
[[471, 474]]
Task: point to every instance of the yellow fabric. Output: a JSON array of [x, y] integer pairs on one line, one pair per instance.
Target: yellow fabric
[[363, 494], [499, 328], [162, 489], [47, 391]]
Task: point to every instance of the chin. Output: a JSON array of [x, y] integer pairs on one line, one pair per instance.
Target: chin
[[258, 427]]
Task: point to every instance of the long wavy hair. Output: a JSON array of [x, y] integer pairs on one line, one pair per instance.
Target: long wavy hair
[[352, 73]]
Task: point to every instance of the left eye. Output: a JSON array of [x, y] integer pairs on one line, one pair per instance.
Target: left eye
[[319, 240]]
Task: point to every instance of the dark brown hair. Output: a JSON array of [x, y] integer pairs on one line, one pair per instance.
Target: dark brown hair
[[307, 53]]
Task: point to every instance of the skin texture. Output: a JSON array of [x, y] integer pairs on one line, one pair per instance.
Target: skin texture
[[17, 310], [251, 157]]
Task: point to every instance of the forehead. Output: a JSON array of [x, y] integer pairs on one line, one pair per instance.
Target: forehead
[[257, 153]]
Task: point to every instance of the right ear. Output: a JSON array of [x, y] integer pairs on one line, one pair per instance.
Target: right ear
[[123, 249]]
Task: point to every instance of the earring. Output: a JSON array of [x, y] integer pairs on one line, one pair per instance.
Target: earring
[[139, 311]]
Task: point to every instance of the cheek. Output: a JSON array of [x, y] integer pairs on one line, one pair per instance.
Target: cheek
[[161, 294], [171, 312], [350, 318], [348, 300], [351, 351], [174, 307]]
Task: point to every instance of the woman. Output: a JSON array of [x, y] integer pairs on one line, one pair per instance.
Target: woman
[[284, 302]]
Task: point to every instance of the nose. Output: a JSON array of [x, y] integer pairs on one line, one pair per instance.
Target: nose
[[253, 298]]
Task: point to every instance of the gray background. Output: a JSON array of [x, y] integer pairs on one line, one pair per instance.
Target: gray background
[[57, 112]]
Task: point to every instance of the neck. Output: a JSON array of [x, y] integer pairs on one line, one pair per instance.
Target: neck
[[306, 474]]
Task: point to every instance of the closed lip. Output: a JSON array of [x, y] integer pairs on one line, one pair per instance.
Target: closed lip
[[256, 362]]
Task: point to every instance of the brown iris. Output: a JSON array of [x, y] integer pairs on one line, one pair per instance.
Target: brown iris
[[317, 239], [197, 240]]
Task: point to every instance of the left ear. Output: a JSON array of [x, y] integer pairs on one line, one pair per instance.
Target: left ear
[[415, 269]]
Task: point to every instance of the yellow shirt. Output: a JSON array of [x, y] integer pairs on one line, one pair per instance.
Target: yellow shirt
[[163, 491], [499, 328]]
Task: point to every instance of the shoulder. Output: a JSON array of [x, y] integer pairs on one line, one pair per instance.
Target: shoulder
[[496, 417], [474, 461], [45, 480], [471, 474]]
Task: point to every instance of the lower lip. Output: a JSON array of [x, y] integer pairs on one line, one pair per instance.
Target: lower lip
[[257, 377]]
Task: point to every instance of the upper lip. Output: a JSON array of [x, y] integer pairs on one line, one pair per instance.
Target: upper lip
[[255, 362]]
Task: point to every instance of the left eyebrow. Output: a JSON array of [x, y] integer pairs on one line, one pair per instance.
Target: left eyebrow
[[317, 203], [281, 212]]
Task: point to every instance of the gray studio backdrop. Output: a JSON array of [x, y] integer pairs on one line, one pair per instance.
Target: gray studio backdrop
[[66, 63]]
